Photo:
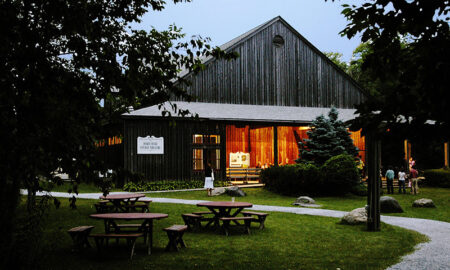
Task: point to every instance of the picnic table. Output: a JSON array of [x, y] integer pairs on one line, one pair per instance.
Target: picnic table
[[224, 209], [122, 202], [146, 227]]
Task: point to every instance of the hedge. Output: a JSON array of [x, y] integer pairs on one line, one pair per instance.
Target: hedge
[[337, 176], [437, 178], [168, 185]]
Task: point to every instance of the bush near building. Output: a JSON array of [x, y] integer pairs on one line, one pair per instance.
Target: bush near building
[[168, 185], [337, 176], [340, 175], [437, 178]]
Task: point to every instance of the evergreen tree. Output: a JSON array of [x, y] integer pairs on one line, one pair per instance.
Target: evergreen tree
[[328, 137]]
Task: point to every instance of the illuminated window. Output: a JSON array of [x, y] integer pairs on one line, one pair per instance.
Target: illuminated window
[[205, 139], [205, 148], [198, 159]]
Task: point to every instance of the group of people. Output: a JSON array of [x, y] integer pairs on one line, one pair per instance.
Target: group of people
[[403, 179]]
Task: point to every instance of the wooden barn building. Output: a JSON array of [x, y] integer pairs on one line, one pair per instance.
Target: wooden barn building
[[252, 110]]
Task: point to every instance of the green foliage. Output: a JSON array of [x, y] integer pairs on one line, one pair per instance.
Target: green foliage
[[437, 178], [168, 185], [337, 176], [284, 179], [356, 71], [69, 70], [327, 138], [27, 238], [359, 189], [407, 63], [340, 174], [336, 58]]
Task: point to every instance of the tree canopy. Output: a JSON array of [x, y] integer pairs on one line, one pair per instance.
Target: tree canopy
[[406, 61], [60, 60]]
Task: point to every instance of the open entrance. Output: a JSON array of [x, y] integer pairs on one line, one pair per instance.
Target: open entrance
[[252, 147], [205, 148]]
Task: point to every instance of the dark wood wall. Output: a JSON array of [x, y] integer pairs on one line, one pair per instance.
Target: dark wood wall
[[176, 162], [295, 74]]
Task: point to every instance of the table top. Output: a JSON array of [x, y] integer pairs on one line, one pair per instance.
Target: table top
[[124, 196], [225, 204], [129, 216]]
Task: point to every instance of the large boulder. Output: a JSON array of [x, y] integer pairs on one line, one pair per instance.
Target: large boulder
[[424, 203], [356, 216], [235, 192], [218, 191], [389, 205]]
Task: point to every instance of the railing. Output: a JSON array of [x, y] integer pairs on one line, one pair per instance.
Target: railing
[[243, 174]]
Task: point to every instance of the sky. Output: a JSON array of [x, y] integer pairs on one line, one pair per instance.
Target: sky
[[222, 20]]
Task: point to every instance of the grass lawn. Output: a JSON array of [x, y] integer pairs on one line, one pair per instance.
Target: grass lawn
[[82, 188], [440, 196], [289, 241]]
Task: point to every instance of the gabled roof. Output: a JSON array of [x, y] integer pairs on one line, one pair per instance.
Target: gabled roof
[[252, 113], [247, 35]]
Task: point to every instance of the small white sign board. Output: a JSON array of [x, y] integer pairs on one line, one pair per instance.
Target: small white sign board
[[240, 160], [150, 145]]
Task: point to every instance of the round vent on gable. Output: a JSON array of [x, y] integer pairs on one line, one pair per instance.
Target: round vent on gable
[[278, 41]]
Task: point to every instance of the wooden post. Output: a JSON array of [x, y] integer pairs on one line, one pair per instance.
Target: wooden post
[[275, 145], [446, 154], [374, 182]]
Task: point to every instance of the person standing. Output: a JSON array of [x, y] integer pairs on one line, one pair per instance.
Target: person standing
[[412, 162], [390, 180], [413, 174], [209, 178], [401, 181]]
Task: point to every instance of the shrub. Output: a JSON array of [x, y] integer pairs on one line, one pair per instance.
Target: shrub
[[340, 174], [437, 178], [359, 190], [168, 185], [337, 176], [292, 179]]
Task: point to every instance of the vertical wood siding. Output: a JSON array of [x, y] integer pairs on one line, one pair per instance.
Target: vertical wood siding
[[291, 75], [177, 161]]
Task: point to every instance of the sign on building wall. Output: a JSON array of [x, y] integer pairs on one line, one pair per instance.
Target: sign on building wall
[[150, 145], [239, 160]]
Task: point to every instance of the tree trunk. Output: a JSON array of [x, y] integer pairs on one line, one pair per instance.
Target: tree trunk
[[374, 182]]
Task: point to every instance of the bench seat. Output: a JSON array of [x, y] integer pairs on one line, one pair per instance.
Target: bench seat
[[203, 213], [80, 235], [260, 217], [175, 235], [226, 223], [192, 221], [137, 207], [130, 237]]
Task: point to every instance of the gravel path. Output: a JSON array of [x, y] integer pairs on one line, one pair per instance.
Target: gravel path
[[434, 254]]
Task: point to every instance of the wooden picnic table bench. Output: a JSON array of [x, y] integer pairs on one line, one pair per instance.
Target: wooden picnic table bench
[[260, 217], [226, 223], [80, 235], [175, 234], [146, 227], [130, 237], [223, 209], [192, 221], [122, 202]]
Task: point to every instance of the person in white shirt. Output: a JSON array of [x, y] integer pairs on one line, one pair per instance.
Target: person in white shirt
[[401, 181]]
